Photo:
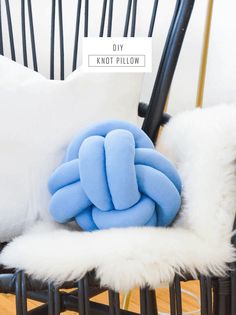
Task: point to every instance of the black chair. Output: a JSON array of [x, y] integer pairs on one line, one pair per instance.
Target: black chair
[[218, 295]]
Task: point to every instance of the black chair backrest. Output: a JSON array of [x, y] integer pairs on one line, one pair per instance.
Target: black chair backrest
[[153, 113]]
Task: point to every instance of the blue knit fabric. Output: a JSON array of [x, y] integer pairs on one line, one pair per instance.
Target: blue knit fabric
[[112, 176]]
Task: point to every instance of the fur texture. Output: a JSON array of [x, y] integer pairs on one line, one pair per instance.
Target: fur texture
[[202, 144]]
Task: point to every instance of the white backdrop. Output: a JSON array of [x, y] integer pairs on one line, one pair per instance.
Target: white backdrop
[[221, 70]]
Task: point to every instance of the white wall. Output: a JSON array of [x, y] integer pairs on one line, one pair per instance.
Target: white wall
[[221, 70], [221, 79]]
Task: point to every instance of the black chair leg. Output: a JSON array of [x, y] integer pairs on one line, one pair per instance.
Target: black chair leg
[[233, 292], [178, 295], [172, 299], [54, 300], [222, 296], [175, 297], [114, 303], [50, 299], [21, 293], [203, 296], [148, 305], [83, 296]]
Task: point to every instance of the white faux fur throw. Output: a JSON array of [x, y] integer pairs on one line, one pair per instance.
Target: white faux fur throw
[[202, 144]]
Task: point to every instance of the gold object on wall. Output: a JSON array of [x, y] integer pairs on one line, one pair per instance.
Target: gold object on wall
[[205, 47]]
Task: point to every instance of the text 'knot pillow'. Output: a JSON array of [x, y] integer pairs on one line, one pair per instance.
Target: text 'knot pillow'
[[112, 176]]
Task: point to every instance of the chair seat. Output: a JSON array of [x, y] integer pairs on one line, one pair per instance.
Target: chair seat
[[122, 258]]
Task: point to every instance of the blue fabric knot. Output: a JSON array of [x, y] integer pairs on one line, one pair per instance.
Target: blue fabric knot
[[112, 176]]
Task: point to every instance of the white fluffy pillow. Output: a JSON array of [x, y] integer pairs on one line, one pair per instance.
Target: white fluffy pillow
[[38, 118]]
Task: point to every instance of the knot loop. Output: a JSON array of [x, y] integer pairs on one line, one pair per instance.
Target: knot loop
[[112, 176]]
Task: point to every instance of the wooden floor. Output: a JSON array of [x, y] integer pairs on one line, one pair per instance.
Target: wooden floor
[[189, 304]]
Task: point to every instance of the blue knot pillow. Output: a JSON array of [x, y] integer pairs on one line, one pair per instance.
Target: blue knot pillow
[[112, 176]]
